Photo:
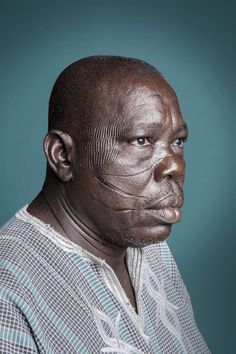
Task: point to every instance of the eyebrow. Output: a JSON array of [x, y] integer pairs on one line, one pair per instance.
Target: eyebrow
[[182, 127], [156, 126]]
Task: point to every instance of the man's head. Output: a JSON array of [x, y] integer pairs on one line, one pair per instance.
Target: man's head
[[115, 146]]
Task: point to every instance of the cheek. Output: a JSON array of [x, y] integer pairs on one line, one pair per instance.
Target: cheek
[[129, 160], [100, 150], [127, 170], [127, 185], [96, 147], [116, 194], [127, 174], [116, 173]]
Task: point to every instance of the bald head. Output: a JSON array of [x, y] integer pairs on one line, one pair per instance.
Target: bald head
[[77, 93]]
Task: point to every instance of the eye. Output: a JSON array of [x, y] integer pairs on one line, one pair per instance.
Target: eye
[[141, 141], [179, 142]]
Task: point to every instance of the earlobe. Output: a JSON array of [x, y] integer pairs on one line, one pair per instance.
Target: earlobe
[[58, 147]]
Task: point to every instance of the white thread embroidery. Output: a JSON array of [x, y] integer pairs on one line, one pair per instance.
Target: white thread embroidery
[[164, 306], [114, 344]]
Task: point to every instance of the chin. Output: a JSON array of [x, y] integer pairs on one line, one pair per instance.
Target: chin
[[144, 236]]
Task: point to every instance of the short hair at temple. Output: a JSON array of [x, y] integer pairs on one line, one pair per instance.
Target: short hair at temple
[[74, 86]]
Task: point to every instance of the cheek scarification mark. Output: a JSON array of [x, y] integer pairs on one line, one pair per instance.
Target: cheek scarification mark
[[117, 190], [103, 147], [97, 145], [151, 167], [130, 174], [142, 202], [118, 210]]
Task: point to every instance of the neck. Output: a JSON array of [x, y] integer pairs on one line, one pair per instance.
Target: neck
[[51, 207]]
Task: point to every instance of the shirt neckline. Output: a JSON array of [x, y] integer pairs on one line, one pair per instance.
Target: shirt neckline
[[69, 246], [133, 256]]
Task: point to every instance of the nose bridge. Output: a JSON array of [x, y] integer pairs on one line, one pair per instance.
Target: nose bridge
[[171, 166]]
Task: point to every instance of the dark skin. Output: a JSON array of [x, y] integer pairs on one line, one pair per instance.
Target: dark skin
[[117, 182]]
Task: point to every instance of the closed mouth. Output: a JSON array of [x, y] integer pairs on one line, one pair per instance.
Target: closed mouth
[[170, 201], [166, 215]]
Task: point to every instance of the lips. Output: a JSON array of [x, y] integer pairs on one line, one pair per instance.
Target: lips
[[166, 210], [168, 215]]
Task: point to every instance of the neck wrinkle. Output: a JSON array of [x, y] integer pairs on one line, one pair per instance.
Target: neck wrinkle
[[79, 233]]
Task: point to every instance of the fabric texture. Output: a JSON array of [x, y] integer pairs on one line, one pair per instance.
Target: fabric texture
[[57, 298]]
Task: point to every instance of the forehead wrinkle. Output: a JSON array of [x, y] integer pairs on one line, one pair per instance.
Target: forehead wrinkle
[[166, 118], [181, 128], [178, 126], [178, 122], [173, 116]]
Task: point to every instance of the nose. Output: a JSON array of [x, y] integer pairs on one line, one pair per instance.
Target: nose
[[171, 166]]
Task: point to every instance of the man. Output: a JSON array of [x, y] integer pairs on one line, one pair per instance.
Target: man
[[85, 267]]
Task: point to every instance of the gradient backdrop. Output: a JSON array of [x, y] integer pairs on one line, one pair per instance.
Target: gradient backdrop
[[193, 44]]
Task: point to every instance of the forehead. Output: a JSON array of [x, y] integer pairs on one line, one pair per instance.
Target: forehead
[[131, 102]]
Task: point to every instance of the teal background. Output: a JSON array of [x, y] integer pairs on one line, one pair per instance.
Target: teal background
[[193, 44]]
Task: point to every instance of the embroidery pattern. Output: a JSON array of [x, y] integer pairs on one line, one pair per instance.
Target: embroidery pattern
[[165, 309], [114, 344]]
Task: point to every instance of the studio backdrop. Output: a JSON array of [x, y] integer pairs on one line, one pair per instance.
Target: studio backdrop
[[193, 44]]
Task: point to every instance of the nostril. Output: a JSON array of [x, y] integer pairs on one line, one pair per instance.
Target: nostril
[[170, 167], [168, 177]]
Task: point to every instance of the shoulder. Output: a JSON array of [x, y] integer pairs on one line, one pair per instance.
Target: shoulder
[[26, 236], [28, 259], [20, 240]]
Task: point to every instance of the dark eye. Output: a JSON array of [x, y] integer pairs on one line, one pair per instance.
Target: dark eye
[[141, 141], [179, 142]]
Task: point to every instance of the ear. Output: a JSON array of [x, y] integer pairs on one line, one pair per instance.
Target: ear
[[58, 147]]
